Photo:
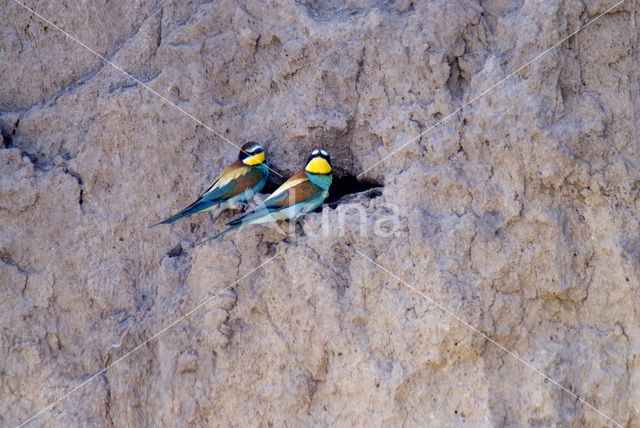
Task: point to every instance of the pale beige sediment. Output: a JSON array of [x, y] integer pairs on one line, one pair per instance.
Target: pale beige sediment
[[520, 214]]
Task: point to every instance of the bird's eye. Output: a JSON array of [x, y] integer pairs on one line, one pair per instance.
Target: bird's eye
[[324, 153], [315, 152]]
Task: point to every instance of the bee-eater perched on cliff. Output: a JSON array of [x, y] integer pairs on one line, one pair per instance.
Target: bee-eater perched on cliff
[[236, 185], [302, 193]]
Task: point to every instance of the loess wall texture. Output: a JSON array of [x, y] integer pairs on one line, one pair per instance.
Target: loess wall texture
[[520, 214]]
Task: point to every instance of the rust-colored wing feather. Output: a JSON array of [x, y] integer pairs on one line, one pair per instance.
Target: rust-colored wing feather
[[297, 193]]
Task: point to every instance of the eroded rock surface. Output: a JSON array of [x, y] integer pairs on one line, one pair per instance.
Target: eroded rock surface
[[520, 214]]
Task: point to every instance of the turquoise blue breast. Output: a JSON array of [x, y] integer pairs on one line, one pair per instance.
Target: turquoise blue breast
[[321, 180]]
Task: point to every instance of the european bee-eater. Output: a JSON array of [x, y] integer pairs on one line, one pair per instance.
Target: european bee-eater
[[236, 185]]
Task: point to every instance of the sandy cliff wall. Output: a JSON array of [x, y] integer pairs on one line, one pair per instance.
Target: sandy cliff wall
[[520, 214]]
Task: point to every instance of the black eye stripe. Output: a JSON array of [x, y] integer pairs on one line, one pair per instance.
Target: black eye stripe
[[250, 149], [318, 153]]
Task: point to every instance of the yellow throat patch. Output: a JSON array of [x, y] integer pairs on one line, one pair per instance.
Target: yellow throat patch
[[318, 166], [254, 160]]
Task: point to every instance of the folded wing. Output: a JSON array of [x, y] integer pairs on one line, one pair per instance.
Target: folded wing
[[231, 183], [293, 195]]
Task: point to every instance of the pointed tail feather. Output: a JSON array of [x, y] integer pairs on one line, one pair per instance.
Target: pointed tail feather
[[233, 225], [224, 232], [195, 207]]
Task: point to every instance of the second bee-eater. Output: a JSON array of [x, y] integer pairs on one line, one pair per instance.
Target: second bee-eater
[[237, 184]]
